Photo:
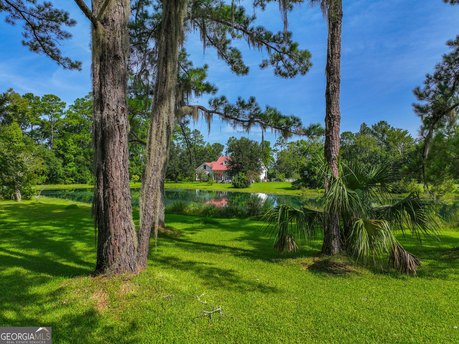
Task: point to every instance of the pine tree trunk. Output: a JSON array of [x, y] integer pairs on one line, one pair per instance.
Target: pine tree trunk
[[162, 124], [332, 242], [116, 239]]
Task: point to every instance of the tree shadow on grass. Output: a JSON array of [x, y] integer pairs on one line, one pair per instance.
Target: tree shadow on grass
[[41, 246], [28, 299], [215, 276], [439, 258], [247, 231], [49, 239]]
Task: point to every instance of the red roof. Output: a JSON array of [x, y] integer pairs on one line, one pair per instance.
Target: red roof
[[220, 165]]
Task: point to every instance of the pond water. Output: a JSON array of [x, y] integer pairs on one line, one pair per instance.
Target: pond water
[[221, 199], [216, 198]]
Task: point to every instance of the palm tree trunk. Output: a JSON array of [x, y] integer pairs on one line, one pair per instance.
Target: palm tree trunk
[[162, 123], [332, 242], [116, 239]]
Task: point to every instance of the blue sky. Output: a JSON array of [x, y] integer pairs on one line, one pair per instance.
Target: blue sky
[[388, 47]]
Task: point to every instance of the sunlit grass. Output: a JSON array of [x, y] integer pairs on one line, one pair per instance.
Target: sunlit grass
[[47, 254]]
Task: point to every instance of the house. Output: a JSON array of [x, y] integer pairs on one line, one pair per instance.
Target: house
[[219, 170]]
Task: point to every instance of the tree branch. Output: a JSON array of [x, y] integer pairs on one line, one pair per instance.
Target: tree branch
[[87, 12], [189, 109], [101, 13]]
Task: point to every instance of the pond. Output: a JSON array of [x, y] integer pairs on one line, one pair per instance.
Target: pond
[[241, 200], [216, 198]]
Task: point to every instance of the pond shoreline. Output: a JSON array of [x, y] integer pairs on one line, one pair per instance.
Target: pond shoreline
[[269, 188]]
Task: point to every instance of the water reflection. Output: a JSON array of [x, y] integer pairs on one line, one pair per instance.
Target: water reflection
[[246, 202], [216, 198]]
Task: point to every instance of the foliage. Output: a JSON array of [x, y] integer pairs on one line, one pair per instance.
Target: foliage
[[442, 164], [188, 151], [382, 144], [438, 101], [246, 157], [369, 217], [290, 158], [241, 181], [20, 166], [42, 27], [302, 160], [61, 136]]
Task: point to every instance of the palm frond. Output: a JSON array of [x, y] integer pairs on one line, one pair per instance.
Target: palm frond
[[370, 238], [403, 261], [372, 183], [340, 199], [411, 213], [288, 224]]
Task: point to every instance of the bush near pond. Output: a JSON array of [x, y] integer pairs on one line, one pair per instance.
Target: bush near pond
[[241, 181]]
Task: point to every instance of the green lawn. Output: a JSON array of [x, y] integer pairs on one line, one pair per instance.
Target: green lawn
[[47, 254], [279, 188]]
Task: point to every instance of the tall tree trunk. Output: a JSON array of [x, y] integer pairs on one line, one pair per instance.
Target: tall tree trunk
[[116, 240], [332, 243], [162, 123], [17, 195]]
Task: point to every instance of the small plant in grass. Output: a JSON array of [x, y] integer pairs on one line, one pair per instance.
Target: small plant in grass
[[241, 181], [369, 218]]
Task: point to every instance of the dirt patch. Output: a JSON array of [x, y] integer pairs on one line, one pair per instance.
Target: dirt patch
[[329, 266], [101, 300], [127, 288], [169, 232]]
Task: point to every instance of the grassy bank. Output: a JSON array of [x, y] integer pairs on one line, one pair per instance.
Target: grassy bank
[[47, 254], [275, 188]]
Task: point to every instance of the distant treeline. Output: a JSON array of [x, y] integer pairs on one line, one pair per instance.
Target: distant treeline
[[45, 141]]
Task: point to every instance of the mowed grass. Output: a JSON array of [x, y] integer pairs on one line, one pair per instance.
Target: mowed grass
[[47, 255], [276, 188]]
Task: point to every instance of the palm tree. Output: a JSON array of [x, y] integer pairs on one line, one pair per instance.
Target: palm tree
[[369, 218], [333, 10]]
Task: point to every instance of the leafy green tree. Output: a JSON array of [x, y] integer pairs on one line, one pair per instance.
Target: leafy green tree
[[16, 108], [438, 100], [20, 167], [246, 157], [73, 146], [290, 158], [442, 164], [188, 151], [382, 144], [51, 111]]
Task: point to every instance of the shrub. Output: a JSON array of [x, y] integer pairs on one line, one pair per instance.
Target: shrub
[[406, 186], [202, 176], [240, 181], [439, 190]]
